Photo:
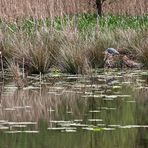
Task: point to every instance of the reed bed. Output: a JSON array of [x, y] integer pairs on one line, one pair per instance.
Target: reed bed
[[73, 44], [12, 9]]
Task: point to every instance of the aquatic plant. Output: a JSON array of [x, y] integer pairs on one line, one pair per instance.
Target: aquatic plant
[[72, 44], [73, 57], [39, 50], [16, 74]]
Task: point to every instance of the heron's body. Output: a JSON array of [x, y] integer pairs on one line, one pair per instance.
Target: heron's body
[[112, 51]]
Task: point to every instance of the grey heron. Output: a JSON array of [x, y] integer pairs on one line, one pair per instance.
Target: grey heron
[[112, 51]]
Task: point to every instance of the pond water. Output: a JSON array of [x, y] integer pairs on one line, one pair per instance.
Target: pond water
[[107, 109]]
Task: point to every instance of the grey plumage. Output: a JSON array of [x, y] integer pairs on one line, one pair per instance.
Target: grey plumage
[[112, 51]]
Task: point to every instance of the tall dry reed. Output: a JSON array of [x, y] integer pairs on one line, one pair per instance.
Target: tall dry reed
[[38, 50], [12, 9], [73, 54]]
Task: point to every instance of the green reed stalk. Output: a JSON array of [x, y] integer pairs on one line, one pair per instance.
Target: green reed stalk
[[40, 84], [2, 64]]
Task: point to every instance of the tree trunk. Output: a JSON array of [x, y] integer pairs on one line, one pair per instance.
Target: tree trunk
[[99, 7]]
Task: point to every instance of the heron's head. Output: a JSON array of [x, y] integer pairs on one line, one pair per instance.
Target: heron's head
[[112, 51]]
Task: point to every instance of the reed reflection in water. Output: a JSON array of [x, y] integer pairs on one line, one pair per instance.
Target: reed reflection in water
[[88, 112]]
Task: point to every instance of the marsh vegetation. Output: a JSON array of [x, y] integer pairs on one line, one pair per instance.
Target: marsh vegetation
[[54, 89], [73, 44]]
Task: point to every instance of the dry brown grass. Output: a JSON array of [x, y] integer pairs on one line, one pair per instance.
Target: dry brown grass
[[10, 9], [69, 51], [73, 54], [130, 7], [39, 51]]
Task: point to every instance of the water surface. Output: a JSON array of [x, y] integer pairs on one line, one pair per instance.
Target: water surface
[[106, 110]]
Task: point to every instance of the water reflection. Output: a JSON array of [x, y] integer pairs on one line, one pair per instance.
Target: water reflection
[[104, 110]]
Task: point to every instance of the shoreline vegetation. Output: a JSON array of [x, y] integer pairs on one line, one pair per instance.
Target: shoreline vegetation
[[53, 69], [12, 9], [72, 44]]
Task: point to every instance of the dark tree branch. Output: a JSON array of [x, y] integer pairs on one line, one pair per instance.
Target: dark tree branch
[[99, 4], [99, 7]]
